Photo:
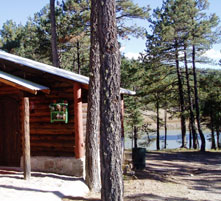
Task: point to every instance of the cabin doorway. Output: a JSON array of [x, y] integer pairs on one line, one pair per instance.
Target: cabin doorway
[[10, 145]]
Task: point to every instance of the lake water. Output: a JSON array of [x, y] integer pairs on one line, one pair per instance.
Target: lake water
[[173, 140]]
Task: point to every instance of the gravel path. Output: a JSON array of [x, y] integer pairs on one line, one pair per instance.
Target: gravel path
[[41, 187]]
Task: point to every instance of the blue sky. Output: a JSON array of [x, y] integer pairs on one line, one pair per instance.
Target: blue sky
[[20, 10]]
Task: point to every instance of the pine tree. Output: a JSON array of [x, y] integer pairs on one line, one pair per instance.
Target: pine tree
[[167, 32], [93, 112], [111, 156], [202, 38], [55, 58]]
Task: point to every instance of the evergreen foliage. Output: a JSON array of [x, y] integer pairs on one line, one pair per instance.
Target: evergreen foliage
[[73, 33]]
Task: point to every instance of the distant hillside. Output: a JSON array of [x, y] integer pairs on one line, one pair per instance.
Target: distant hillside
[[171, 123]]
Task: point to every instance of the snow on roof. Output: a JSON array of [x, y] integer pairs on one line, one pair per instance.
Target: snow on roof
[[22, 83], [51, 70]]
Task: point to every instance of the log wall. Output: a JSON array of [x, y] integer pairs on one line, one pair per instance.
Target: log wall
[[51, 139], [84, 111], [6, 90]]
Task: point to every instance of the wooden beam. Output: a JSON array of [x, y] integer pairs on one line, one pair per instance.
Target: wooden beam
[[78, 122], [26, 139], [18, 86]]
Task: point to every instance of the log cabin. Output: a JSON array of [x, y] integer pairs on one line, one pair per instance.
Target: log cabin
[[43, 113]]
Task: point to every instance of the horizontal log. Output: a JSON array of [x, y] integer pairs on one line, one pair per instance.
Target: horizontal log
[[58, 149], [8, 92], [51, 97], [46, 108], [57, 125], [52, 131], [62, 84], [52, 153], [43, 119], [52, 149], [52, 145], [58, 138], [47, 113]]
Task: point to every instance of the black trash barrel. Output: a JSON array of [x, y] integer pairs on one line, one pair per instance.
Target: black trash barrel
[[138, 157]]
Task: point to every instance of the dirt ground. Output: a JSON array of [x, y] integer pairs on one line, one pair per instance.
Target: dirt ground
[[173, 176], [41, 186]]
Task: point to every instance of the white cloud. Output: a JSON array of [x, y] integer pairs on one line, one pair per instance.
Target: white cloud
[[132, 55], [213, 54]]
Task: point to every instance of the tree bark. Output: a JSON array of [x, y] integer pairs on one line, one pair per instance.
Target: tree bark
[[181, 96], [55, 58], [192, 118], [93, 112], [202, 137], [111, 156]]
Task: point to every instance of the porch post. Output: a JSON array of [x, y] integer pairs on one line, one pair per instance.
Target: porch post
[[78, 121], [26, 139]]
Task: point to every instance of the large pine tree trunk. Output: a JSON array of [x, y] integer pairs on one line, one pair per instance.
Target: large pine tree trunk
[[181, 96], [55, 58], [111, 155], [93, 113], [192, 118], [203, 141]]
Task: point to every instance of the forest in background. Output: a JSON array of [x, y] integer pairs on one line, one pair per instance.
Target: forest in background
[[164, 77]]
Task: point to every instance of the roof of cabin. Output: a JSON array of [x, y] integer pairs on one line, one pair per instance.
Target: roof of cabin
[[22, 83], [51, 70]]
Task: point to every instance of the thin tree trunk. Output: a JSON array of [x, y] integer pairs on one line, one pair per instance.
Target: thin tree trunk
[[165, 129], [181, 96], [218, 138], [213, 146], [158, 126], [111, 155], [78, 57], [202, 137], [55, 58], [93, 113], [190, 136], [135, 137], [132, 140], [192, 118], [74, 63]]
